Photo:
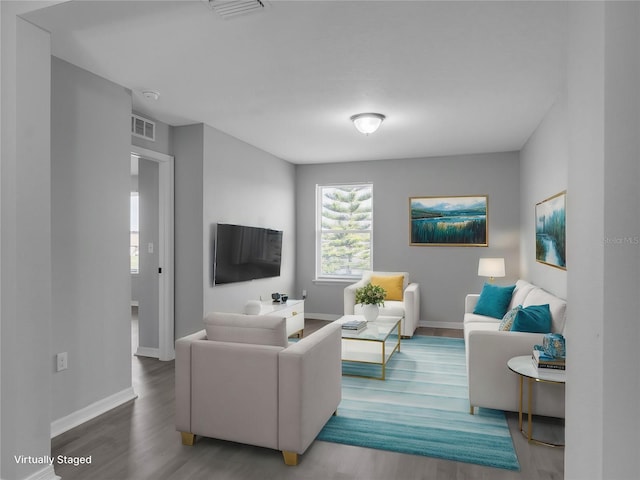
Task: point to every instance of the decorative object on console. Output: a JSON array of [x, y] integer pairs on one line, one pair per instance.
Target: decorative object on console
[[252, 307], [491, 267], [284, 297], [494, 300], [551, 231], [449, 221], [554, 345], [275, 297]]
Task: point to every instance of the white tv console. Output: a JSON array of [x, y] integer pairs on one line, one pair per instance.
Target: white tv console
[[292, 310]]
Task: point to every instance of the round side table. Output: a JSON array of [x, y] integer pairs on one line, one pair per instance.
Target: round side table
[[523, 366]]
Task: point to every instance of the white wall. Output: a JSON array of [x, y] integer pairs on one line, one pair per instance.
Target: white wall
[[445, 274], [25, 257], [543, 173], [602, 425], [90, 156]]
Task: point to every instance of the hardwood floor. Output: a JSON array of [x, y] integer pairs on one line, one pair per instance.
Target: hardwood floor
[[138, 441]]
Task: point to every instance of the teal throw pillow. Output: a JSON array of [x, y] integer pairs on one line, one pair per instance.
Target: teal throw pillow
[[494, 300], [533, 319], [509, 317]]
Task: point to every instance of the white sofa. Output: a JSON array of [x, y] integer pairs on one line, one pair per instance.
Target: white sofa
[[240, 380], [491, 383], [408, 308]]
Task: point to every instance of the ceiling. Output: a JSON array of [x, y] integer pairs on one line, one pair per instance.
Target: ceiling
[[451, 77]]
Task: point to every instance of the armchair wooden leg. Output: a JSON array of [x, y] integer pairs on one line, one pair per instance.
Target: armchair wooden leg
[[471, 410], [290, 458], [188, 438], [335, 413]]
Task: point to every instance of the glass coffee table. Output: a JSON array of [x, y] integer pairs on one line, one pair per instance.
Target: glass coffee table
[[374, 344]]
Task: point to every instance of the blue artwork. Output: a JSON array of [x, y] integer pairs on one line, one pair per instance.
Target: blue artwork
[[449, 221], [551, 231]]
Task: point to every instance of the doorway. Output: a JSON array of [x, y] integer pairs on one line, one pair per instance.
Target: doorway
[[154, 282]]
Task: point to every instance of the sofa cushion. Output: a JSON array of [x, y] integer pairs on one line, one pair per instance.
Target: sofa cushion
[[557, 306], [509, 317], [523, 288], [392, 285], [494, 300], [533, 319], [253, 329]]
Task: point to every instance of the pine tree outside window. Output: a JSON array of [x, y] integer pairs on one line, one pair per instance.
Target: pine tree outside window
[[344, 230]]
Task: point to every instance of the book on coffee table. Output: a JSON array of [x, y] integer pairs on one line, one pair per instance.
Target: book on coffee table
[[354, 325]]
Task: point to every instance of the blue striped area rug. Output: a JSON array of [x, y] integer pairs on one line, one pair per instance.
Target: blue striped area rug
[[422, 408]]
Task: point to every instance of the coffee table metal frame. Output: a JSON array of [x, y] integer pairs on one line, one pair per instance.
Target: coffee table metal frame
[[523, 366], [377, 332]]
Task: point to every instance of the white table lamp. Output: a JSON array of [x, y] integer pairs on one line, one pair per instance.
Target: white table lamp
[[491, 267]]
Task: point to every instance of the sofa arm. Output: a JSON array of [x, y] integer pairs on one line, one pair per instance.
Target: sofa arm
[[310, 389], [350, 296], [411, 309], [493, 385], [183, 380], [470, 302]]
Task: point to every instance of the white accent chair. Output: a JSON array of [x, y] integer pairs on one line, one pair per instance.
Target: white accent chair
[[408, 307], [240, 380]]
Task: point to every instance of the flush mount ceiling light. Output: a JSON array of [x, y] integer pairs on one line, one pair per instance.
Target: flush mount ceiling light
[[367, 123], [150, 94]]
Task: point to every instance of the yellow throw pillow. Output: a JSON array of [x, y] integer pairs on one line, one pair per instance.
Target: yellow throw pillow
[[392, 284]]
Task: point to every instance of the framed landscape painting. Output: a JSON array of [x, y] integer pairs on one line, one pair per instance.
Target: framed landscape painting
[[448, 221], [551, 231]]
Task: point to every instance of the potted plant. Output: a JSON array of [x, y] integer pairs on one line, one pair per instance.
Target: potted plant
[[370, 297]]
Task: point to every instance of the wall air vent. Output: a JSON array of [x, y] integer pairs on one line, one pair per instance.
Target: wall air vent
[[232, 8], [143, 128]]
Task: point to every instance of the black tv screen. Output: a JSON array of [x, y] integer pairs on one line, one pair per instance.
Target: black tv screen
[[246, 253]]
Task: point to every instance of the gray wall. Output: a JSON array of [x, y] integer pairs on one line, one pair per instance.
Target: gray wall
[[188, 144], [543, 173], [221, 179], [90, 156], [445, 274], [246, 186], [148, 280], [25, 257]]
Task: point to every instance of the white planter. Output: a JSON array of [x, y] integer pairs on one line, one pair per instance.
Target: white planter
[[370, 312]]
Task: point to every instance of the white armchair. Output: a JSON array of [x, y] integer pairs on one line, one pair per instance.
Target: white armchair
[[240, 380], [408, 307]]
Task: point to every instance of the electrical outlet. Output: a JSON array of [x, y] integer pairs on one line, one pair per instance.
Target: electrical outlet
[[304, 294], [61, 361]]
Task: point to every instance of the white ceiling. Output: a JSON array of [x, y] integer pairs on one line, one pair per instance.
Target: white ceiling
[[451, 77]]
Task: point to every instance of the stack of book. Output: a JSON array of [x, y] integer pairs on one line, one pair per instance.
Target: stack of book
[[547, 364], [354, 325]]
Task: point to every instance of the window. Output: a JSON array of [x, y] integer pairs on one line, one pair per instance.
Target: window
[[344, 230], [134, 228]]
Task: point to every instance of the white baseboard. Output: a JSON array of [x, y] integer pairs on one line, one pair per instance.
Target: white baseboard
[[321, 316], [91, 411], [47, 473], [148, 352], [453, 325]]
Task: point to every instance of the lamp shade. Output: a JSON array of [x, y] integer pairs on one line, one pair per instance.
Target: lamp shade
[[491, 267], [367, 123]]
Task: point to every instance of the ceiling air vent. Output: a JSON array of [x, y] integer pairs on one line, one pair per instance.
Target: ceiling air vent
[[232, 8], [143, 128]]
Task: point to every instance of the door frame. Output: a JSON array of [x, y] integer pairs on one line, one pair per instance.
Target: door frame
[[166, 342]]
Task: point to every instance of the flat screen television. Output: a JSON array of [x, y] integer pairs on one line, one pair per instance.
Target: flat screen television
[[245, 253]]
